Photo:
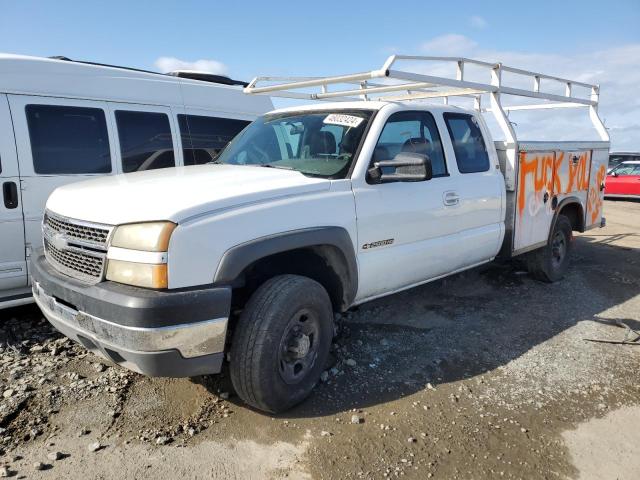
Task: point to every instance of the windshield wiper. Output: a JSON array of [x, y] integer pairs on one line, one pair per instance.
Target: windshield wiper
[[273, 165]]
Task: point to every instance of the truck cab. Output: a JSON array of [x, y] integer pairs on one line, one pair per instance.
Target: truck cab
[[311, 210]]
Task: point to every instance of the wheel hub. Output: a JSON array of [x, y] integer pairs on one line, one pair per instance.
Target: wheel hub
[[299, 345], [558, 248]]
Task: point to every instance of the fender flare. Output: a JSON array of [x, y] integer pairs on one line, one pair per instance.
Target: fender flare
[[567, 201], [235, 260]]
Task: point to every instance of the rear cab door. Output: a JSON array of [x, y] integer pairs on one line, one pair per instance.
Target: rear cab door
[[478, 196], [59, 141], [13, 265]]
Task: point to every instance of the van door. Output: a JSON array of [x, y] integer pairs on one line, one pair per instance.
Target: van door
[[59, 141], [13, 265], [146, 137]]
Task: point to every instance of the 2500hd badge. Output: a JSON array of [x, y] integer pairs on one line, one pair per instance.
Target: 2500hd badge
[[379, 243]]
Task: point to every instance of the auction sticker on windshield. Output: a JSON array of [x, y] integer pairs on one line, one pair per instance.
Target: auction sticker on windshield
[[344, 120]]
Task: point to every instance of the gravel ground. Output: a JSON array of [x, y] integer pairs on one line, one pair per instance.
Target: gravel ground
[[480, 375]]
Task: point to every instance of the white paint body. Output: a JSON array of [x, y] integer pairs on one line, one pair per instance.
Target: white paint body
[[218, 207], [42, 81]]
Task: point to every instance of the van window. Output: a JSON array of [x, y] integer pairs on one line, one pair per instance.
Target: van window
[[204, 137], [468, 143], [145, 140], [68, 140], [414, 132]]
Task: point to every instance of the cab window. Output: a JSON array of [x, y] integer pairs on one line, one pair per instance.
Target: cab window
[[468, 143], [414, 132]]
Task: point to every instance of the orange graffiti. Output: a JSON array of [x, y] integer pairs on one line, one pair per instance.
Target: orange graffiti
[[545, 174], [557, 164], [578, 174], [594, 198]]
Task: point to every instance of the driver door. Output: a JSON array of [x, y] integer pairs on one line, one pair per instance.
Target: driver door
[[406, 230]]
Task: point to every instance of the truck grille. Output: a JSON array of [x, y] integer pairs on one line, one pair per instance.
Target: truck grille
[[76, 231], [74, 248], [75, 263]]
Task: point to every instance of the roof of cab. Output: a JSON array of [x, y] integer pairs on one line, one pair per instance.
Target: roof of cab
[[27, 75], [368, 105]]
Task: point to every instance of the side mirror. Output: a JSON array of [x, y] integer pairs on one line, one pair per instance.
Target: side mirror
[[615, 174], [407, 167]]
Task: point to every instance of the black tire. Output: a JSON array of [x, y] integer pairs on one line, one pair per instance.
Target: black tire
[[285, 327], [549, 264]]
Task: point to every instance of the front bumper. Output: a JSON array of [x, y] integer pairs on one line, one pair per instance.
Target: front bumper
[[157, 333]]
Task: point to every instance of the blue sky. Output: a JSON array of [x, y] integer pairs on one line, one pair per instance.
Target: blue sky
[[245, 38]]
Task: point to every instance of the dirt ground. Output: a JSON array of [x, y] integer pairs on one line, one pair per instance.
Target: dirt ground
[[482, 375]]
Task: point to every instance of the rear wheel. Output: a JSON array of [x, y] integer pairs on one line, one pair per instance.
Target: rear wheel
[[281, 342], [550, 263]]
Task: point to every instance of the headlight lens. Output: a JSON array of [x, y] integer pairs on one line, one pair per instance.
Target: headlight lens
[[139, 274], [128, 261], [149, 237]]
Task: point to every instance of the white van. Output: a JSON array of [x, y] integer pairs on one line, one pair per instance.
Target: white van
[[62, 121]]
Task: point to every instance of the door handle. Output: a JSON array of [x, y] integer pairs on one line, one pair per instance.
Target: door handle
[[10, 194], [450, 198]]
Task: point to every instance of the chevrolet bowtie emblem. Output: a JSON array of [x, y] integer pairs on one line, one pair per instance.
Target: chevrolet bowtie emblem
[[59, 242]]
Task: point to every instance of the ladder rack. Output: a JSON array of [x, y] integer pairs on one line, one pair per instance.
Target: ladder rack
[[425, 81], [394, 84]]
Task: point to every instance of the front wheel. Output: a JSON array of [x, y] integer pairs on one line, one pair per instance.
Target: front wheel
[[281, 342], [550, 263]]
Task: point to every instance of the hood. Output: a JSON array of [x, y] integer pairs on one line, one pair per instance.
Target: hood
[[177, 193]]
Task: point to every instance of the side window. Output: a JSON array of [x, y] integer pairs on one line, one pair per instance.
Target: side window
[[204, 137], [68, 140], [468, 143], [411, 132], [145, 140]]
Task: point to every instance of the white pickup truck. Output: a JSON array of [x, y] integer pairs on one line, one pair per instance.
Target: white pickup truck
[[310, 211]]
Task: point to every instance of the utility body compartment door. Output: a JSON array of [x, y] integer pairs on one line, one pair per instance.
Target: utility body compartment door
[[546, 178], [13, 265], [595, 199], [535, 186]]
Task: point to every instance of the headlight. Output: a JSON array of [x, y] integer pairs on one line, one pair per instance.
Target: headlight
[[150, 236], [137, 255], [139, 274]]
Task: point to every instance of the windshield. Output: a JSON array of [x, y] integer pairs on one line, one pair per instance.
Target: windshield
[[319, 144], [627, 169]]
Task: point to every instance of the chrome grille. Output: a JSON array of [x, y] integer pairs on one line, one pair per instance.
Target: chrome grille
[[78, 231], [76, 263], [76, 248]]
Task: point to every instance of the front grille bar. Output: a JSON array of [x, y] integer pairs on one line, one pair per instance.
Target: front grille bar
[[76, 248]]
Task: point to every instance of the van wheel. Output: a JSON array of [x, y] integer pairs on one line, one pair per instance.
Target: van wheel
[[550, 263], [281, 343]]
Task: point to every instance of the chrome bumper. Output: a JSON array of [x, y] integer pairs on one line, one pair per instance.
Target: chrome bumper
[[190, 339]]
